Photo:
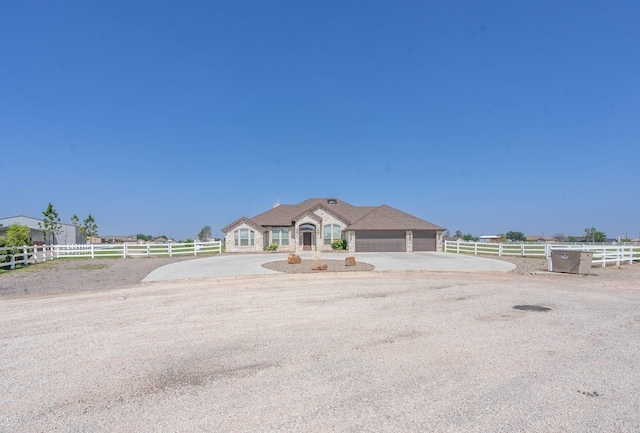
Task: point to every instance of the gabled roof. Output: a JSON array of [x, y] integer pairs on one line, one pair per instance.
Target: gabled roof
[[388, 218], [245, 220], [285, 213], [357, 217], [539, 238]]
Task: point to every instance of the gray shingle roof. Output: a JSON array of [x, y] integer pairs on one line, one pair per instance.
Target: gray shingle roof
[[388, 218], [357, 217]]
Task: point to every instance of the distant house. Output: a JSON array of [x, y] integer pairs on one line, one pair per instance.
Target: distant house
[[489, 238], [159, 240], [69, 234], [452, 238], [119, 239], [316, 223], [540, 239]]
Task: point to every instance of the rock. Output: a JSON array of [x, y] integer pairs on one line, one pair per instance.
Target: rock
[[294, 259], [350, 261], [320, 268]]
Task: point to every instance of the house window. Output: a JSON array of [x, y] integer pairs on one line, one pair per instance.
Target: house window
[[243, 237], [331, 233], [280, 235]]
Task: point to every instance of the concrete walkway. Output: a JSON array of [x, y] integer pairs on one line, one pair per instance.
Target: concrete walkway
[[251, 264]]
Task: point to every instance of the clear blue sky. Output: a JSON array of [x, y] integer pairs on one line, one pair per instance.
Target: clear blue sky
[[481, 116]]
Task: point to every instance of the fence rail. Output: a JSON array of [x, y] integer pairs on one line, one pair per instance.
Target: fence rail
[[10, 257], [603, 254]]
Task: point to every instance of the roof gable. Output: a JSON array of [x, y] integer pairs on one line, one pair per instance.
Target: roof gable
[[245, 220], [284, 214]]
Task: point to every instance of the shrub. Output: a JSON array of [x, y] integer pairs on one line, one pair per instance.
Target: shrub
[[339, 244], [271, 247]]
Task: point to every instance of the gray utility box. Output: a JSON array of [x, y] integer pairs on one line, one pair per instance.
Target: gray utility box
[[571, 261]]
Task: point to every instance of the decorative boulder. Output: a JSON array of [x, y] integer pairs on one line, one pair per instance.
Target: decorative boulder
[[350, 261], [319, 268], [294, 259]]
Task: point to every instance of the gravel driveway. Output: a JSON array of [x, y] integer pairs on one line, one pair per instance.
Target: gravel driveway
[[392, 351]]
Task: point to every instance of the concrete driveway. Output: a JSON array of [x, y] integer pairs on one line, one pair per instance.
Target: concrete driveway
[[251, 264]]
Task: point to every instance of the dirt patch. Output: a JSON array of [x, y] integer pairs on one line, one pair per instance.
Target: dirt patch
[[79, 275], [306, 266]]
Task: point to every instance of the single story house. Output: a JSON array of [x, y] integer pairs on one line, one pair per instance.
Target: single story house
[[489, 238], [540, 239], [315, 223]]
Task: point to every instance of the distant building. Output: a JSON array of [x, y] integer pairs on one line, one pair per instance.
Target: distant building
[[119, 239], [69, 234], [540, 239], [489, 238]]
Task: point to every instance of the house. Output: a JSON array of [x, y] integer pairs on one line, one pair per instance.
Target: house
[[489, 238], [452, 238], [69, 234], [317, 222], [540, 239], [119, 239]]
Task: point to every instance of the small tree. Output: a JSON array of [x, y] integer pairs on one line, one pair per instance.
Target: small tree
[[593, 235], [559, 237], [90, 228], [446, 234], [205, 234], [50, 225], [17, 236], [515, 236], [469, 237], [458, 234], [571, 239]]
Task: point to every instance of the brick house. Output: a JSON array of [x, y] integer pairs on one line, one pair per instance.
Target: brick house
[[315, 223]]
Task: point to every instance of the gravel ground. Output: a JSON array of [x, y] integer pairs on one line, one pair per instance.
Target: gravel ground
[[353, 352]]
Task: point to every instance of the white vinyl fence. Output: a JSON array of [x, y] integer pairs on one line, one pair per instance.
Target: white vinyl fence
[[603, 254], [35, 254]]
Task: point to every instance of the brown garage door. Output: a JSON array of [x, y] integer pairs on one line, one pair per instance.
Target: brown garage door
[[379, 240], [424, 241]]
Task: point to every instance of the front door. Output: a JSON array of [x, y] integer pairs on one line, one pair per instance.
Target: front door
[[306, 241]]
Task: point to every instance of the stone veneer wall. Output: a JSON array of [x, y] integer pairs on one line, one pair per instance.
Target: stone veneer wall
[[351, 241], [408, 237], [327, 219], [258, 241], [307, 219]]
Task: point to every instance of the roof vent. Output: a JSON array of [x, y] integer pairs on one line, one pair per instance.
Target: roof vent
[[332, 201]]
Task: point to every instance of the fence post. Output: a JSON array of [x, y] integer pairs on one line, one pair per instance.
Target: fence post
[[148, 250], [124, 251], [93, 251], [457, 247], [475, 248], [604, 257], [170, 250], [522, 249], [500, 249]]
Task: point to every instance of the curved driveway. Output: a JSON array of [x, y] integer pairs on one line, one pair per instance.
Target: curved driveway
[[251, 264]]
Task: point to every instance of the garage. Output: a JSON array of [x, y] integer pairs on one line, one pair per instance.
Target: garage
[[424, 240], [380, 241]]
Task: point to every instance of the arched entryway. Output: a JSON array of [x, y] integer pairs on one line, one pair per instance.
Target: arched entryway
[[307, 238]]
